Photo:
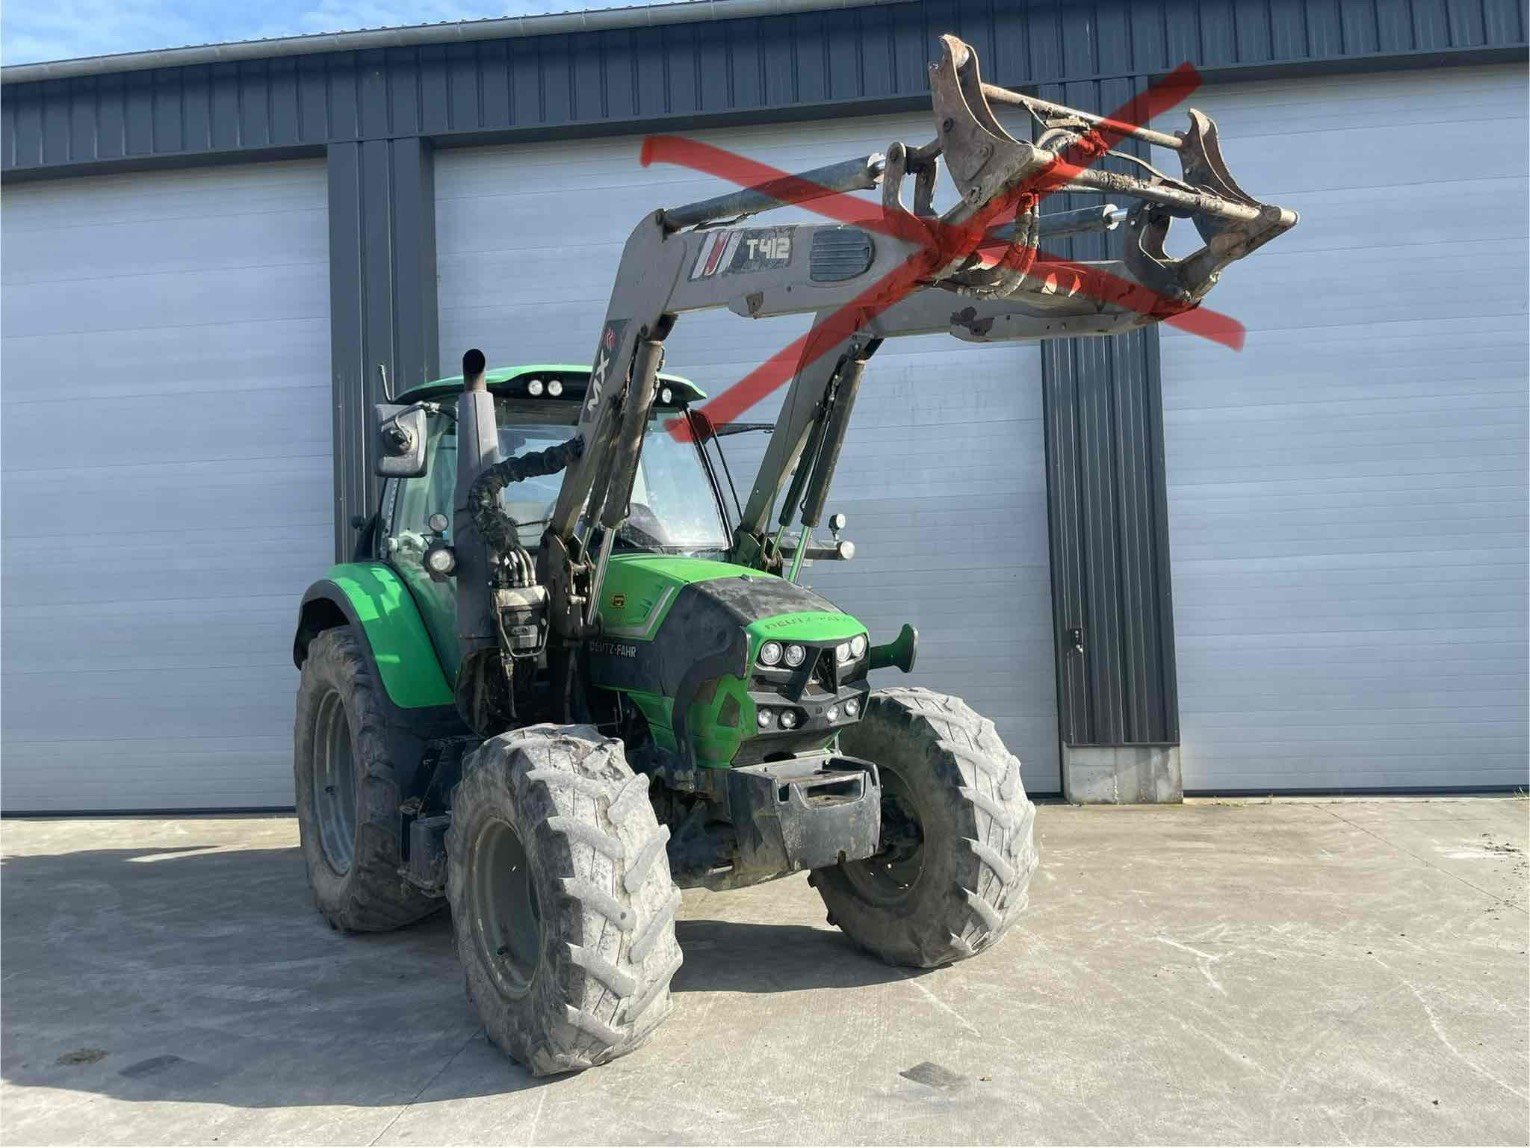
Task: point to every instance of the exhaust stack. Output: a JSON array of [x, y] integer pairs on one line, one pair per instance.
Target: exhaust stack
[[477, 448]]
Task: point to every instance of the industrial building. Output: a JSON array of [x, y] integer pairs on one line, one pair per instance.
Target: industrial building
[[1301, 566]]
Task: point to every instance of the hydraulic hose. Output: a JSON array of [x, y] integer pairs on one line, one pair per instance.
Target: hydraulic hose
[[500, 532]]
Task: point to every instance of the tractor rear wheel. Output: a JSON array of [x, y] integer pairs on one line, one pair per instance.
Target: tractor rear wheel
[[348, 794], [957, 846], [561, 897]]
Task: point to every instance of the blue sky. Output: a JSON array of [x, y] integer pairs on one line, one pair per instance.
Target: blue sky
[[33, 30]]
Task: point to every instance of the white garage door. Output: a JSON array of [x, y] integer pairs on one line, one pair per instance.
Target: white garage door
[[942, 473], [1347, 496], [167, 482]]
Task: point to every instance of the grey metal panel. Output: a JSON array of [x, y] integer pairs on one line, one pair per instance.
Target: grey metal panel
[[619, 79], [158, 531], [1110, 587], [1347, 498], [942, 477]]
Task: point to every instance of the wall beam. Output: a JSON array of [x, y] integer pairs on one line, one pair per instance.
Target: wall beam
[[1112, 602], [382, 289]]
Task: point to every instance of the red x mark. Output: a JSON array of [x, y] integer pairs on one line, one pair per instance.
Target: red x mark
[[939, 244]]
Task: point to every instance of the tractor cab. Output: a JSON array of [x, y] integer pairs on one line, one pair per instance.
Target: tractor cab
[[677, 506], [677, 502]]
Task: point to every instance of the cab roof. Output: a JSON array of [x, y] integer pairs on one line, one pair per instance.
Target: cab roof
[[514, 382]]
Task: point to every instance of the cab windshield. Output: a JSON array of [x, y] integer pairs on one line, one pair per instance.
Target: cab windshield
[[672, 511]]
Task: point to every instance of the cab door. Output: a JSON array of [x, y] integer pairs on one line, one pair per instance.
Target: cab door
[[408, 533]]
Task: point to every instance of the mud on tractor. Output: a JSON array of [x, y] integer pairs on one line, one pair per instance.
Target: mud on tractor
[[564, 677]]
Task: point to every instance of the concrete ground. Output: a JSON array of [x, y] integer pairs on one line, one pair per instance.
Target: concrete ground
[[1277, 972]]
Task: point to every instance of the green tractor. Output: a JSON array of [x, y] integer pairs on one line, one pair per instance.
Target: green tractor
[[569, 672]]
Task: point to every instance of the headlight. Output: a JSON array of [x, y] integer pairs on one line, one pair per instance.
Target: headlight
[[832, 713], [554, 388], [795, 655], [770, 653], [764, 719], [440, 561], [857, 645], [842, 653], [852, 707], [788, 719], [534, 388]]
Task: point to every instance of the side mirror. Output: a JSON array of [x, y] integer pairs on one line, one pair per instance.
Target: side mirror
[[399, 440]]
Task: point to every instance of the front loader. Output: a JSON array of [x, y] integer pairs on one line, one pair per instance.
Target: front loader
[[564, 677]]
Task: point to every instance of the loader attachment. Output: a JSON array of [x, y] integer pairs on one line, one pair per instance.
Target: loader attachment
[[988, 166]]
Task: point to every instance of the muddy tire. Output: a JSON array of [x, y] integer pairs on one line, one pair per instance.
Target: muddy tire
[[958, 847], [348, 794], [561, 897]]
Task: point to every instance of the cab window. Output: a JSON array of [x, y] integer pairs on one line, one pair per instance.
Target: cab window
[[673, 509]]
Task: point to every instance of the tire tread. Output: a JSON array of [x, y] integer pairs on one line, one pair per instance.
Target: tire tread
[[372, 897], [611, 908], [974, 885]]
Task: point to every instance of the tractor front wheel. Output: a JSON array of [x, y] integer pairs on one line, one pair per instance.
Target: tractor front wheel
[[348, 794], [561, 897], [957, 845]]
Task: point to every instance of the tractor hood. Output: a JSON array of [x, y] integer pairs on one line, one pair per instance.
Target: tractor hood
[[682, 637]]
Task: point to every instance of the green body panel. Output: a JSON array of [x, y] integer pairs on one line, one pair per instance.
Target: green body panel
[[718, 730], [401, 645], [657, 711], [640, 589]]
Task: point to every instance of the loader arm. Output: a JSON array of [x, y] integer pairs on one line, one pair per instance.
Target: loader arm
[[995, 287]]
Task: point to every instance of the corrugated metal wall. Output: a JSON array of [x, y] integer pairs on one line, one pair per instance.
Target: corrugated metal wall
[[167, 489], [1347, 498], [942, 476], [773, 65], [379, 115]]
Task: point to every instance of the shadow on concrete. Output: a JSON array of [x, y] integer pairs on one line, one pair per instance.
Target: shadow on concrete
[[205, 975], [750, 957]]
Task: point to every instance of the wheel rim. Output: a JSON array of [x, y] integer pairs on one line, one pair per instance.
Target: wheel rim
[[335, 784], [888, 875], [507, 920]]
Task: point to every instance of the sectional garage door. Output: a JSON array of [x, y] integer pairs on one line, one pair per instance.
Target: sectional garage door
[[1347, 496], [167, 482], [942, 473]]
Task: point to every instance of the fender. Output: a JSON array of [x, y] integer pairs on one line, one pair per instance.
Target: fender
[[420, 711], [374, 600]]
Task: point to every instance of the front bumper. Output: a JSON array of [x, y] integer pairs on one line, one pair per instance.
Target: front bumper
[[805, 813]]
